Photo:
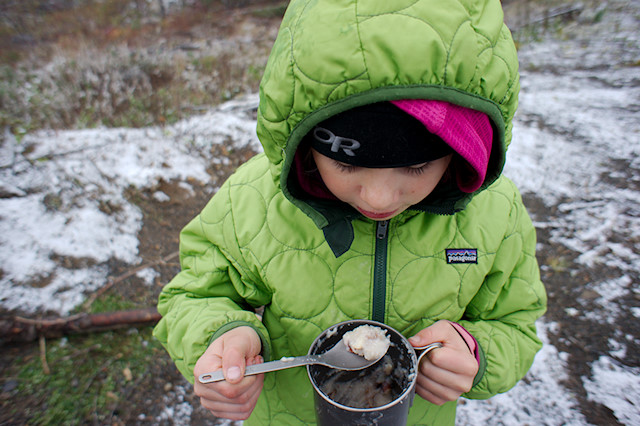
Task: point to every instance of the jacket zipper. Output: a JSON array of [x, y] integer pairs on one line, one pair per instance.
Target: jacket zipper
[[380, 271]]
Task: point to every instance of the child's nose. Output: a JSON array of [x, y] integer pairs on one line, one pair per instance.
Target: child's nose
[[379, 193]]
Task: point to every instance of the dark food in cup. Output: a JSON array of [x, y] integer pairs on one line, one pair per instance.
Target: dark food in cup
[[372, 387]]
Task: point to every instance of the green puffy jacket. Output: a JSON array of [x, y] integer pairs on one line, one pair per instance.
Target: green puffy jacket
[[313, 263]]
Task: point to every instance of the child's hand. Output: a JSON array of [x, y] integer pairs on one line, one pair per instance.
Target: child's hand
[[447, 372], [236, 397]]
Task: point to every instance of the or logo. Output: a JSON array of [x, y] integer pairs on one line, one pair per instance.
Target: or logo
[[462, 255], [326, 136]]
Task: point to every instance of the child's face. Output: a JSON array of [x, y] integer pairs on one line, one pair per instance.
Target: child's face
[[380, 194]]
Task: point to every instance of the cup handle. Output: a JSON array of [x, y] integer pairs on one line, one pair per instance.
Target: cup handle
[[423, 350]]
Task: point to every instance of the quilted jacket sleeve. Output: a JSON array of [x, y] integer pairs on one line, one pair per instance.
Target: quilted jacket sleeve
[[213, 293], [502, 314]]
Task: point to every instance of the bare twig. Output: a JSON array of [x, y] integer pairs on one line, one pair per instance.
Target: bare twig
[[567, 11], [81, 352], [51, 156], [43, 356], [113, 281]]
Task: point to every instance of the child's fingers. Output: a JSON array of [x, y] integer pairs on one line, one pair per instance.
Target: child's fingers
[[235, 402], [228, 394], [454, 356], [458, 382], [237, 349], [435, 392], [233, 364], [458, 361], [441, 331], [232, 401], [447, 372]]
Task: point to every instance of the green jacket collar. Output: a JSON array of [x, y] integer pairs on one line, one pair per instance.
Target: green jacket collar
[[337, 216]]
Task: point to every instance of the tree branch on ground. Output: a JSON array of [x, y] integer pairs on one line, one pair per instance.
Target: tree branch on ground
[[20, 329]]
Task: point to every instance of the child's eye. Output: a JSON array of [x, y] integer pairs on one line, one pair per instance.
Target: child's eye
[[344, 167], [418, 169]]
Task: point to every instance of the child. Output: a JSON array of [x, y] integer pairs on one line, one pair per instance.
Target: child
[[379, 195]]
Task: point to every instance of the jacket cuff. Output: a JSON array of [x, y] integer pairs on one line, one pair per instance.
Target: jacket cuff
[[266, 346], [471, 341], [482, 366], [474, 348]]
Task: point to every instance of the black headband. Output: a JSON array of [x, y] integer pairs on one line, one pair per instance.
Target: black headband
[[378, 135]]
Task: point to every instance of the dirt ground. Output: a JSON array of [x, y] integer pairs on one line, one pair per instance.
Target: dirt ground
[[140, 400], [143, 399]]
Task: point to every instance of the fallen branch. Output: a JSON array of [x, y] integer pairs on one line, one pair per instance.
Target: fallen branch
[[19, 329]]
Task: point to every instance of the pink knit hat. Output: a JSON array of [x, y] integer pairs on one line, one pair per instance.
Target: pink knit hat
[[465, 130]]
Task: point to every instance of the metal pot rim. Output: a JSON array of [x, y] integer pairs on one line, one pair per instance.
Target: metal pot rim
[[400, 398]]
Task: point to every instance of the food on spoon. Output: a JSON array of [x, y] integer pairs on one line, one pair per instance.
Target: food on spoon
[[368, 341]]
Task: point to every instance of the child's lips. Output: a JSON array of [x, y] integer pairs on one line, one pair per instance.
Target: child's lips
[[377, 216]]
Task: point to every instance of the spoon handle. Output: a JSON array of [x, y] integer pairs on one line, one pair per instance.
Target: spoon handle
[[265, 367]]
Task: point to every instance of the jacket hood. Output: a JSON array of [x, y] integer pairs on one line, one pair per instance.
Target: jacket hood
[[334, 55]]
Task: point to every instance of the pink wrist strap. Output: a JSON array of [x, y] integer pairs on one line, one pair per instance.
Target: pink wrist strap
[[468, 339]]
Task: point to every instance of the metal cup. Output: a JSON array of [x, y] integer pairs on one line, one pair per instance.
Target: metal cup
[[382, 393]]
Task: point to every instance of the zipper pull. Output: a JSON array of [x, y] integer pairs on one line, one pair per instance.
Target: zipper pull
[[381, 229]]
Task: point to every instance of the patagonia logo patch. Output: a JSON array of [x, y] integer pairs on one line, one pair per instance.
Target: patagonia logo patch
[[462, 255]]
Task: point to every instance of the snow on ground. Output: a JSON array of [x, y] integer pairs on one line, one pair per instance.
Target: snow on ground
[[587, 124], [539, 399], [70, 200], [617, 387], [63, 196], [570, 161]]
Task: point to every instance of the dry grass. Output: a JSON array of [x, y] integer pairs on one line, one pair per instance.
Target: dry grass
[[121, 63]]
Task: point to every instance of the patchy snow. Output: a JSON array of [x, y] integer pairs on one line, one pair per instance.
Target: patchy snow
[[616, 386], [608, 292], [587, 125], [63, 196], [176, 409], [539, 399], [70, 198]]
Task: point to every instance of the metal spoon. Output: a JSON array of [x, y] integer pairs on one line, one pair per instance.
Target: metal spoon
[[337, 357]]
